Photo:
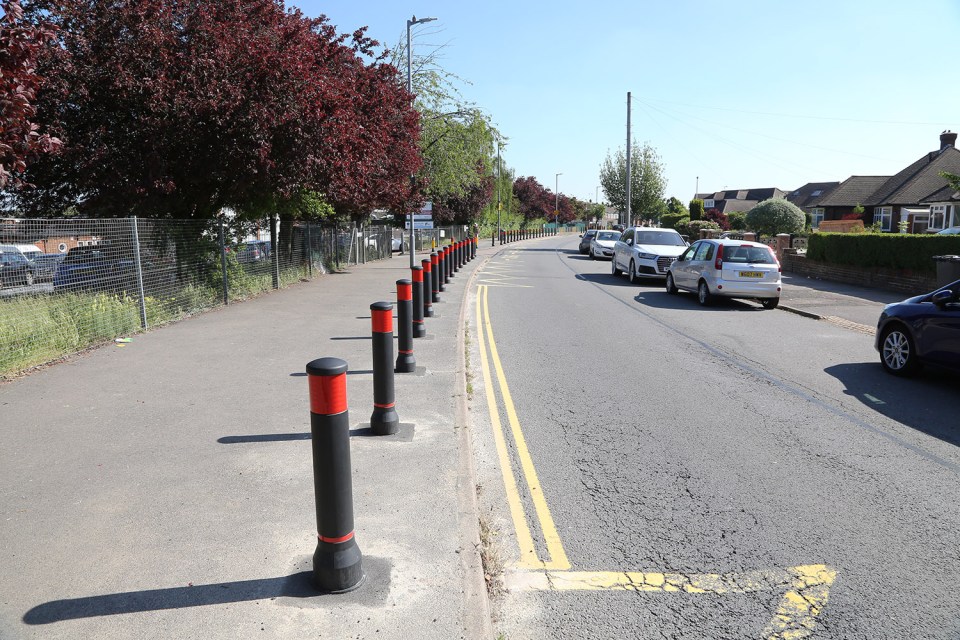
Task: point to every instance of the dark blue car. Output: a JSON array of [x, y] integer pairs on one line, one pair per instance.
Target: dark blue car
[[96, 268], [921, 330]]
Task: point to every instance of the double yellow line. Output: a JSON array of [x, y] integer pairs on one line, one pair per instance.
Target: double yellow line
[[529, 559]]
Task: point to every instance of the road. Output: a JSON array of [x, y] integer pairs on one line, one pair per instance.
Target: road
[[653, 469]]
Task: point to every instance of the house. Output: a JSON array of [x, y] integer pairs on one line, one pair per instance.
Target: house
[[917, 195], [729, 201], [808, 199]]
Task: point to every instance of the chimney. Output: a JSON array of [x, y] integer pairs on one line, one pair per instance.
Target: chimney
[[947, 139]]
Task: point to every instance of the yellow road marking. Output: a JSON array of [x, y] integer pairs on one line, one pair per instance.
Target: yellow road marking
[[807, 586], [528, 554], [558, 558], [807, 589]]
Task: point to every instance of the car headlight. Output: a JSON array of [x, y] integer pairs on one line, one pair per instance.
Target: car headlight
[[647, 256]]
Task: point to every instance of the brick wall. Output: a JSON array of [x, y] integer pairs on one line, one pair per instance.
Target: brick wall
[[887, 279]]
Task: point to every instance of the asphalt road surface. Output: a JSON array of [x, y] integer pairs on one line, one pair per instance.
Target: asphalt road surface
[[650, 468]]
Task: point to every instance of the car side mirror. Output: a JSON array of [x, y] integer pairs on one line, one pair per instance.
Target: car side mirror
[[943, 297], [630, 242], [581, 235]]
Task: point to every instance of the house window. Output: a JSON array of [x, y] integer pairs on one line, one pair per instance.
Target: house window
[[816, 216], [921, 222], [938, 214], [883, 215], [816, 193]]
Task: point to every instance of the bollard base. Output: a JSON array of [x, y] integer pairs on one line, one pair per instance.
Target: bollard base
[[384, 422], [337, 568], [419, 329], [427, 313], [406, 363]]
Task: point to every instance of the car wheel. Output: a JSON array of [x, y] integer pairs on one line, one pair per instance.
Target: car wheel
[[633, 272], [898, 355], [613, 267], [671, 287], [703, 294], [593, 256], [770, 303]]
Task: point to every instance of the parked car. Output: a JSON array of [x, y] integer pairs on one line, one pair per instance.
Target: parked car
[[646, 252], [585, 239], [28, 251], [727, 268], [949, 231], [95, 268], [45, 266], [15, 270], [253, 251], [602, 244], [920, 330]]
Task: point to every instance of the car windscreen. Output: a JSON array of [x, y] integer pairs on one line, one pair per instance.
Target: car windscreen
[[608, 235], [744, 255], [668, 238]]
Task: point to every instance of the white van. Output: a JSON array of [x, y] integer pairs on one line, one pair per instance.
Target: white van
[[28, 251]]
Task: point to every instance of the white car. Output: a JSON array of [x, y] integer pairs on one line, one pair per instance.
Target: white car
[[601, 245], [646, 252], [727, 268], [949, 231]]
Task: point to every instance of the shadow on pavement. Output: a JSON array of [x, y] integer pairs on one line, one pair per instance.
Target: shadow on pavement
[[297, 586], [660, 299], [926, 403], [604, 278]]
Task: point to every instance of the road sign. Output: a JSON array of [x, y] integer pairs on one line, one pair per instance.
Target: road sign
[[419, 224]]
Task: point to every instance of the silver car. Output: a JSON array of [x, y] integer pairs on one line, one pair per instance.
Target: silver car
[[646, 252], [601, 246], [727, 268]]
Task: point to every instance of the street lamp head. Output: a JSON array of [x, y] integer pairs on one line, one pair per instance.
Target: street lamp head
[[413, 20]]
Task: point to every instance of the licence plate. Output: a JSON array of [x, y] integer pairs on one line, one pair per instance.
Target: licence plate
[[751, 274]]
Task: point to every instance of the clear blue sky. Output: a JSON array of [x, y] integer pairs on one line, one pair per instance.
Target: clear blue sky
[[742, 94]]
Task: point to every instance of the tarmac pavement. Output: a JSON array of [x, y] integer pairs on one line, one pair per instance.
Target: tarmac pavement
[[164, 489]]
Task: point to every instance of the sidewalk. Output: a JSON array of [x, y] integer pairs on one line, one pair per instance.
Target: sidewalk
[[164, 489], [822, 299]]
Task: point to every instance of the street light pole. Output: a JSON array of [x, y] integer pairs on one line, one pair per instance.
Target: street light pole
[[499, 206], [556, 206], [412, 21]]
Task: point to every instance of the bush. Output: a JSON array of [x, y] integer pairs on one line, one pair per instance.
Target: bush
[[692, 229], [720, 218], [892, 251], [774, 216], [738, 220], [696, 209], [671, 220]]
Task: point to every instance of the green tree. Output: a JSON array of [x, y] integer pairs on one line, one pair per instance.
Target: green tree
[[774, 216], [674, 205], [738, 220], [647, 183], [696, 209]]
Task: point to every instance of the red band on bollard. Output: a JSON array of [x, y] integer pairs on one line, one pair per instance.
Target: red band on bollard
[[404, 351], [335, 540], [418, 274], [328, 394], [404, 292], [385, 406], [382, 321]]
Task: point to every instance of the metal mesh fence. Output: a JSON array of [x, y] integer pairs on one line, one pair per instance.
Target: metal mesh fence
[[68, 284]]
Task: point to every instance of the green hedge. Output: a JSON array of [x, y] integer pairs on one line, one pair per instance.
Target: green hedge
[[889, 250]]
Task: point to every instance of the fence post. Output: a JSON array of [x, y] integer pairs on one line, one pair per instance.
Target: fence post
[[223, 263], [309, 254], [275, 252], [139, 267]]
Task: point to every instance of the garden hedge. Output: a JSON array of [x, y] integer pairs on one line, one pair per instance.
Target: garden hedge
[[912, 252]]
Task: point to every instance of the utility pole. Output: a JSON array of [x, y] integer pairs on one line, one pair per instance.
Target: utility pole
[[629, 175]]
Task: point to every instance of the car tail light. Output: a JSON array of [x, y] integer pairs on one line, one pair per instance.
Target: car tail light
[[718, 264]]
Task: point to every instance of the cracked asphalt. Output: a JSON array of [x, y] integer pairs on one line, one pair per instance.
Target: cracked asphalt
[[692, 457]]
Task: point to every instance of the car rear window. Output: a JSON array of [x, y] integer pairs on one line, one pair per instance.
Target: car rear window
[[744, 255], [608, 235]]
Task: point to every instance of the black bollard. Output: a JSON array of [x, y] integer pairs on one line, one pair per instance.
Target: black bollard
[[426, 286], [384, 420], [450, 261], [419, 330], [337, 562], [406, 363], [435, 275], [441, 269], [476, 244], [457, 257]]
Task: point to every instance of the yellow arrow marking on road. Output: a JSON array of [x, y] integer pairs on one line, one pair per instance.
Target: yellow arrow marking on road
[[807, 586]]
